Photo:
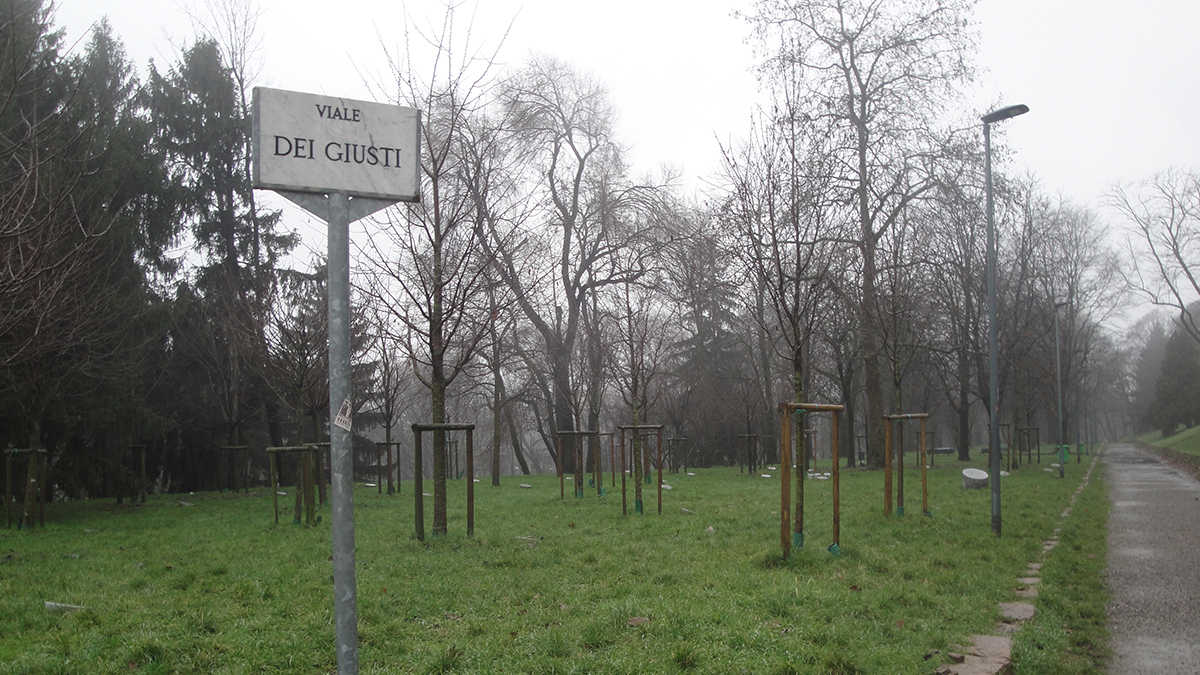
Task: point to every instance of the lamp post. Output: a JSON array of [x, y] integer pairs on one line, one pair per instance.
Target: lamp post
[[993, 330], [1062, 460]]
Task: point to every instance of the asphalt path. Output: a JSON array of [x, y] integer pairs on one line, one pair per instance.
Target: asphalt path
[[1153, 565]]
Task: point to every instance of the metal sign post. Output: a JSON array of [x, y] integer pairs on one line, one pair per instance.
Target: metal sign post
[[340, 160], [341, 463]]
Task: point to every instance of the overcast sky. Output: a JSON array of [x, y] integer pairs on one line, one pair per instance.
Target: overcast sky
[[1113, 85]]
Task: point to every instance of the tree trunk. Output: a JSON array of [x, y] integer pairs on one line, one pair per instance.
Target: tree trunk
[[846, 429], [387, 439], [638, 450], [764, 357], [31, 476], [799, 430], [310, 507], [497, 439], [319, 456], [298, 507], [439, 459], [596, 358], [873, 380], [964, 407], [515, 438], [437, 377], [497, 400], [564, 418]]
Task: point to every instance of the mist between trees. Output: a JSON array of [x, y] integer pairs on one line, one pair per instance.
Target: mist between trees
[[538, 287]]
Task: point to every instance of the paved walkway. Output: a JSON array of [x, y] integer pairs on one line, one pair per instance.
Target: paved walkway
[[1153, 565]]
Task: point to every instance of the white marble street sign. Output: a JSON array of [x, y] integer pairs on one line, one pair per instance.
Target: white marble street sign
[[324, 144]]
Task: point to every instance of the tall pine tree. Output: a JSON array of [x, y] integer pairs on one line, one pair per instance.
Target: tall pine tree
[[1177, 391]]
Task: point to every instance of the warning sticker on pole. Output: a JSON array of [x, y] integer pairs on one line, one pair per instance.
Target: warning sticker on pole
[[343, 417]]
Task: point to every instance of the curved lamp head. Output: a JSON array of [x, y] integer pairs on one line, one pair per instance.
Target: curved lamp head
[[1005, 113]]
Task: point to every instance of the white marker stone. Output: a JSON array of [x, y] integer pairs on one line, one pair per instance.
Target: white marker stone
[[974, 479]]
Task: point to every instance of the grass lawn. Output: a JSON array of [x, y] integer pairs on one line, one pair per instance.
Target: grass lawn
[[1069, 633], [545, 586], [1182, 449], [1186, 441]]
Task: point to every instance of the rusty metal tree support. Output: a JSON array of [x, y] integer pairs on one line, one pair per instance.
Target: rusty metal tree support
[[599, 468], [38, 456], [1006, 430], [751, 452], [304, 480], [388, 471], [612, 458], [623, 500], [793, 534], [1032, 437], [627, 459], [1008, 449], [579, 465], [889, 422], [319, 463], [1005, 452], [638, 467], [887, 470], [379, 465], [647, 459], [418, 503], [558, 465]]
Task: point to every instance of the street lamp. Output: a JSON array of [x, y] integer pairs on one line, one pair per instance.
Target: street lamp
[[993, 331], [1062, 455]]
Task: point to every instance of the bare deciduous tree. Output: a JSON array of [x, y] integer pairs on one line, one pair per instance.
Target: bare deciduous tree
[[877, 75], [428, 268], [587, 236], [1163, 223]]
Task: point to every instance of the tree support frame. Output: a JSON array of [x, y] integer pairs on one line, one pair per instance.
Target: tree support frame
[[637, 465], [418, 495], [793, 533], [889, 423]]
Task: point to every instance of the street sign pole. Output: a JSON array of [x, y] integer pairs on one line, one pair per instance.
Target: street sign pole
[[319, 152], [345, 586]]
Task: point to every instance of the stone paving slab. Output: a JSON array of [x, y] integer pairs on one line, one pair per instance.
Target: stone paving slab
[[988, 655], [1016, 611]]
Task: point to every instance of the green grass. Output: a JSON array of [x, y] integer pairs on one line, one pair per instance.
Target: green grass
[[1182, 449], [1069, 633], [1186, 441], [545, 586]]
